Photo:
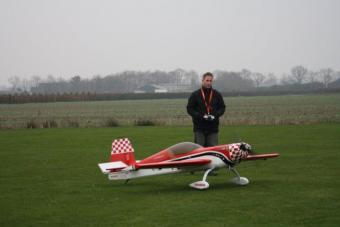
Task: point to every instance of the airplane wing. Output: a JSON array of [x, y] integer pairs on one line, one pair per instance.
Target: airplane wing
[[169, 164], [261, 156]]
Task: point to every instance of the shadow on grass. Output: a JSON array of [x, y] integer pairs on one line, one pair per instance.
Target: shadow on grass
[[150, 187]]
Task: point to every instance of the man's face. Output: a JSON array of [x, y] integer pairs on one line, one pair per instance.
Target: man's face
[[207, 82]]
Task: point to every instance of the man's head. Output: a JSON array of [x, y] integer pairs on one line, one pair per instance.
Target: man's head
[[207, 80]]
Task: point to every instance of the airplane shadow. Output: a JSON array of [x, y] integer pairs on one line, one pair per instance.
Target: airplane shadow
[[150, 187]]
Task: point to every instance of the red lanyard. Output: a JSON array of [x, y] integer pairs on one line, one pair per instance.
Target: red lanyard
[[207, 104]]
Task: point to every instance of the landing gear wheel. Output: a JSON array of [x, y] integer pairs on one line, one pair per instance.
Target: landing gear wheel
[[200, 185], [203, 184], [240, 181]]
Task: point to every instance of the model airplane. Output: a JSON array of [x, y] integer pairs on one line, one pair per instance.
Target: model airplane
[[180, 157]]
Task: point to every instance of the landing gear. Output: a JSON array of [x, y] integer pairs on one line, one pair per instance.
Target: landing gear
[[203, 184], [238, 179]]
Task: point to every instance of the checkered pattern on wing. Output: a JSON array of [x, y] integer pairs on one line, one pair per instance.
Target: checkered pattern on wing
[[121, 146], [236, 154]]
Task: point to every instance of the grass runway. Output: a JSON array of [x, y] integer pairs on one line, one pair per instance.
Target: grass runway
[[50, 177]]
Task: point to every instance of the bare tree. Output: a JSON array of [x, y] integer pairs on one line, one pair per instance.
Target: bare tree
[[326, 76], [299, 73], [270, 80], [76, 83], [35, 81], [258, 79], [246, 74], [14, 81], [233, 81], [312, 76], [194, 81], [50, 79], [26, 85]]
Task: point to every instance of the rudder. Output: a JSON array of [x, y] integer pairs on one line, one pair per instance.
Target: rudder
[[123, 151]]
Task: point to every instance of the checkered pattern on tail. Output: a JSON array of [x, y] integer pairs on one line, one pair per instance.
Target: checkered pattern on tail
[[121, 146], [236, 154]]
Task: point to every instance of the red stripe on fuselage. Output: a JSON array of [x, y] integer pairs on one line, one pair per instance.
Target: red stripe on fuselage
[[166, 155], [223, 149]]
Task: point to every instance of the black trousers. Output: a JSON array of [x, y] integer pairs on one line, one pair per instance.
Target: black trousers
[[206, 139]]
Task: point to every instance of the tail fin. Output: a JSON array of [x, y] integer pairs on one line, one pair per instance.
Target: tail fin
[[123, 151]]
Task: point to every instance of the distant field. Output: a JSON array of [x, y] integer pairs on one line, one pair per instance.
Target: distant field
[[261, 110], [50, 177]]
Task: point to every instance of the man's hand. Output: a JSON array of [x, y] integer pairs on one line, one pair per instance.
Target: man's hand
[[209, 117]]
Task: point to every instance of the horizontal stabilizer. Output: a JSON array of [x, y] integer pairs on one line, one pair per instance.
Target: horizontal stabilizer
[[111, 166], [195, 162], [261, 156]]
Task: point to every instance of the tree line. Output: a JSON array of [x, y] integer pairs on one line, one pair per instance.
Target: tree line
[[130, 81]]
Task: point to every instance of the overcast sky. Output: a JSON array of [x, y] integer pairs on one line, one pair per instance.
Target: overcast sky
[[77, 37]]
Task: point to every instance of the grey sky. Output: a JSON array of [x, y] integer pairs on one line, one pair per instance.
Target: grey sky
[[77, 37]]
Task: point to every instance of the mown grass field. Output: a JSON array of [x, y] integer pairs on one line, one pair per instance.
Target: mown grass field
[[259, 110], [49, 177]]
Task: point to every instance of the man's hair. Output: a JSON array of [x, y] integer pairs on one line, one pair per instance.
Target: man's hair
[[207, 74]]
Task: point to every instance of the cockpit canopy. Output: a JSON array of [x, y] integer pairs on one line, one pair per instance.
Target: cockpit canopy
[[183, 147]]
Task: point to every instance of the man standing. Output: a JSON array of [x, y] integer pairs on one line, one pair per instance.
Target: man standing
[[205, 106]]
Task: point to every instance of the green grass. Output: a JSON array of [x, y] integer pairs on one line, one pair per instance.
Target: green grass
[[260, 110], [49, 177]]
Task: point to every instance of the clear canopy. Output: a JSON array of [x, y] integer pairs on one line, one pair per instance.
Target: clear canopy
[[183, 147]]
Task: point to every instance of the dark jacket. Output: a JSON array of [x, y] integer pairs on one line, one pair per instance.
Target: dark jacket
[[197, 109]]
